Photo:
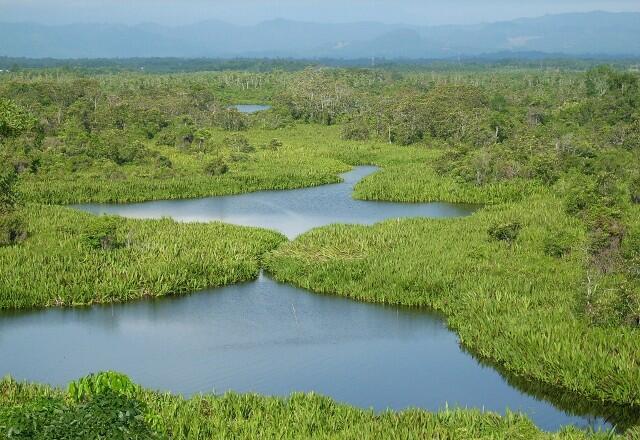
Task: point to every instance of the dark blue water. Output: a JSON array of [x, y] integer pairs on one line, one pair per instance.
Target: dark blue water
[[276, 339]]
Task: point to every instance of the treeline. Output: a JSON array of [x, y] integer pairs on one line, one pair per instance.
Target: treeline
[[504, 60]]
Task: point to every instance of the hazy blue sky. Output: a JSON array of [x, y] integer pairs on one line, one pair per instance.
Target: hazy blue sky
[[424, 12]]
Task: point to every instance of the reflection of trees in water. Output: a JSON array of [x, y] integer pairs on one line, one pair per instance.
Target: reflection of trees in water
[[622, 417]]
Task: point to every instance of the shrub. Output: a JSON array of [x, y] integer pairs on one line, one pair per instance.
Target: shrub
[[635, 190], [101, 383], [355, 131], [216, 167], [274, 144], [12, 230], [164, 162], [557, 244], [8, 196], [239, 144], [505, 231], [109, 416], [231, 119], [101, 233]]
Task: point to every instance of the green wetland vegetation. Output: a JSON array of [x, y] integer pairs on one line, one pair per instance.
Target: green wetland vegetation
[[543, 282], [111, 406]]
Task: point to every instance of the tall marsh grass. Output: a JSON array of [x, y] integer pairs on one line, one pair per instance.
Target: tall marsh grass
[[58, 266]]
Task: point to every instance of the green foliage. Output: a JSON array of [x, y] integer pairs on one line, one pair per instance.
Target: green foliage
[[55, 267], [231, 120], [508, 231], [12, 229], [101, 233], [238, 144], [558, 244], [216, 167], [634, 190], [38, 412], [8, 195], [108, 416], [274, 144], [95, 385], [13, 119], [355, 130]]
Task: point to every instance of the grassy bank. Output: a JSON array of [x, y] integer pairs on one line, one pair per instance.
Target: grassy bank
[[309, 155], [74, 258], [128, 412], [517, 303]]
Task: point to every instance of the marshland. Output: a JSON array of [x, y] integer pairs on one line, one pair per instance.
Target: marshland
[[391, 230]]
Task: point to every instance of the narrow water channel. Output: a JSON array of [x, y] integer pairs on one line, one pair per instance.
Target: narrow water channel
[[274, 338]]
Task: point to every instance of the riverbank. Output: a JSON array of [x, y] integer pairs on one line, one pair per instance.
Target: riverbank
[[53, 413]]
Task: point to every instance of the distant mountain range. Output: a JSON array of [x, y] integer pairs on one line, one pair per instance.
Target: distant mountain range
[[579, 34]]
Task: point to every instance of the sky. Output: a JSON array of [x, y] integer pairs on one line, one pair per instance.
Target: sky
[[418, 12]]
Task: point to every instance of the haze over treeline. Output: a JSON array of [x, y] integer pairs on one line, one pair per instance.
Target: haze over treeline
[[416, 12], [577, 34]]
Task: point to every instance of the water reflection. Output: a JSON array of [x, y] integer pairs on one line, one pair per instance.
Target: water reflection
[[291, 212], [273, 339]]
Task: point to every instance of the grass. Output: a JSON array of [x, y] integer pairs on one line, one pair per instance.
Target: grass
[[25, 412], [311, 155], [56, 266]]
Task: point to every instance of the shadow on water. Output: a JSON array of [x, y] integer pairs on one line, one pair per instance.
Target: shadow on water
[[597, 414], [273, 338]]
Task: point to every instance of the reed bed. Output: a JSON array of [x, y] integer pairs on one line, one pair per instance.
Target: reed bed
[[56, 267]]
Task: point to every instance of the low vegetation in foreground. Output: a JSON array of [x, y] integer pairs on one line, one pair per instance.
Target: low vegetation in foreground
[[108, 405]]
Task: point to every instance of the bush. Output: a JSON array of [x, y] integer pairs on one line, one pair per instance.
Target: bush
[[355, 131], [164, 162], [557, 244], [273, 144], [101, 383], [635, 190], [231, 120], [101, 233], [505, 231], [12, 230], [216, 167], [107, 416], [8, 196], [239, 144]]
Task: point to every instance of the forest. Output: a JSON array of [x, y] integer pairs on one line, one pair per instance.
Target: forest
[[543, 281]]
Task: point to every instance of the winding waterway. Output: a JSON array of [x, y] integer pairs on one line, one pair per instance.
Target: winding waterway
[[274, 338]]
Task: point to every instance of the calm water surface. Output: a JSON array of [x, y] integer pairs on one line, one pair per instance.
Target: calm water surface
[[290, 212], [273, 338]]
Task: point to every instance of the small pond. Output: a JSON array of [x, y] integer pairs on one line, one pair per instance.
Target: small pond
[[250, 108]]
